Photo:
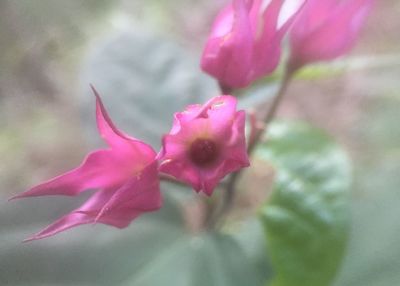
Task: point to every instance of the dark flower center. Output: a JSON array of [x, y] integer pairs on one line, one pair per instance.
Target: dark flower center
[[203, 152]]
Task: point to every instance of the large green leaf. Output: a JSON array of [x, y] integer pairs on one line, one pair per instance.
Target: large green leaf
[[87, 255], [250, 236], [306, 217], [208, 259], [154, 250]]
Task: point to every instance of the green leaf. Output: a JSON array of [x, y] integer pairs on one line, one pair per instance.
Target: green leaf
[[154, 250], [250, 236], [86, 255], [208, 259], [306, 217]]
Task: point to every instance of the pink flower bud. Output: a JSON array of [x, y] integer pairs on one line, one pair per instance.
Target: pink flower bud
[[126, 176], [205, 144], [326, 29], [245, 42]]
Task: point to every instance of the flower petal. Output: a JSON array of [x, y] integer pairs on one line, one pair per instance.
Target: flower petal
[[267, 48], [141, 193], [116, 207], [116, 139], [228, 57], [103, 168], [100, 169], [327, 29], [106, 127], [221, 129]]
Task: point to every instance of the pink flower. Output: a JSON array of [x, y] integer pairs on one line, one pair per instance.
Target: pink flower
[[125, 175], [245, 42], [326, 29], [205, 144]]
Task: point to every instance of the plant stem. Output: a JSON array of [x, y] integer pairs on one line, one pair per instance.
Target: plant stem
[[269, 115], [266, 118], [224, 89]]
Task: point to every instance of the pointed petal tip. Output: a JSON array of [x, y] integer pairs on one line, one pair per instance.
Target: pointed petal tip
[[14, 198], [99, 102], [34, 237], [94, 90], [29, 239], [21, 196]]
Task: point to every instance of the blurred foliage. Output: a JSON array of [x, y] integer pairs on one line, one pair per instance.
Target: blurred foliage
[[209, 259], [347, 65], [76, 258], [144, 80], [307, 216], [44, 30], [374, 254], [335, 68]]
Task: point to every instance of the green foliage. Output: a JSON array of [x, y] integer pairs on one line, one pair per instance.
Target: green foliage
[[154, 250], [249, 234], [88, 255], [208, 259], [306, 218]]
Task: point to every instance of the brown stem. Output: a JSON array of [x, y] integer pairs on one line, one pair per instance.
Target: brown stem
[[224, 89], [266, 118]]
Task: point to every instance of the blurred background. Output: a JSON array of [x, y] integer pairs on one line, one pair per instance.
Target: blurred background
[[143, 57]]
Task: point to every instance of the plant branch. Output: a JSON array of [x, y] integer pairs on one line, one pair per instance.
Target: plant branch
[[270, 113], [266, 118]]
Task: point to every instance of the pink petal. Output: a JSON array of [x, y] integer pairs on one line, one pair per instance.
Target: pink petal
[[228, 57], [217, 122], [116, 207], [183, 170], [221, 115], [327, 30], [245, 42], [267, 49], [140, 193], [223, 23], [116, 138], [103, 168], [100, 169]]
